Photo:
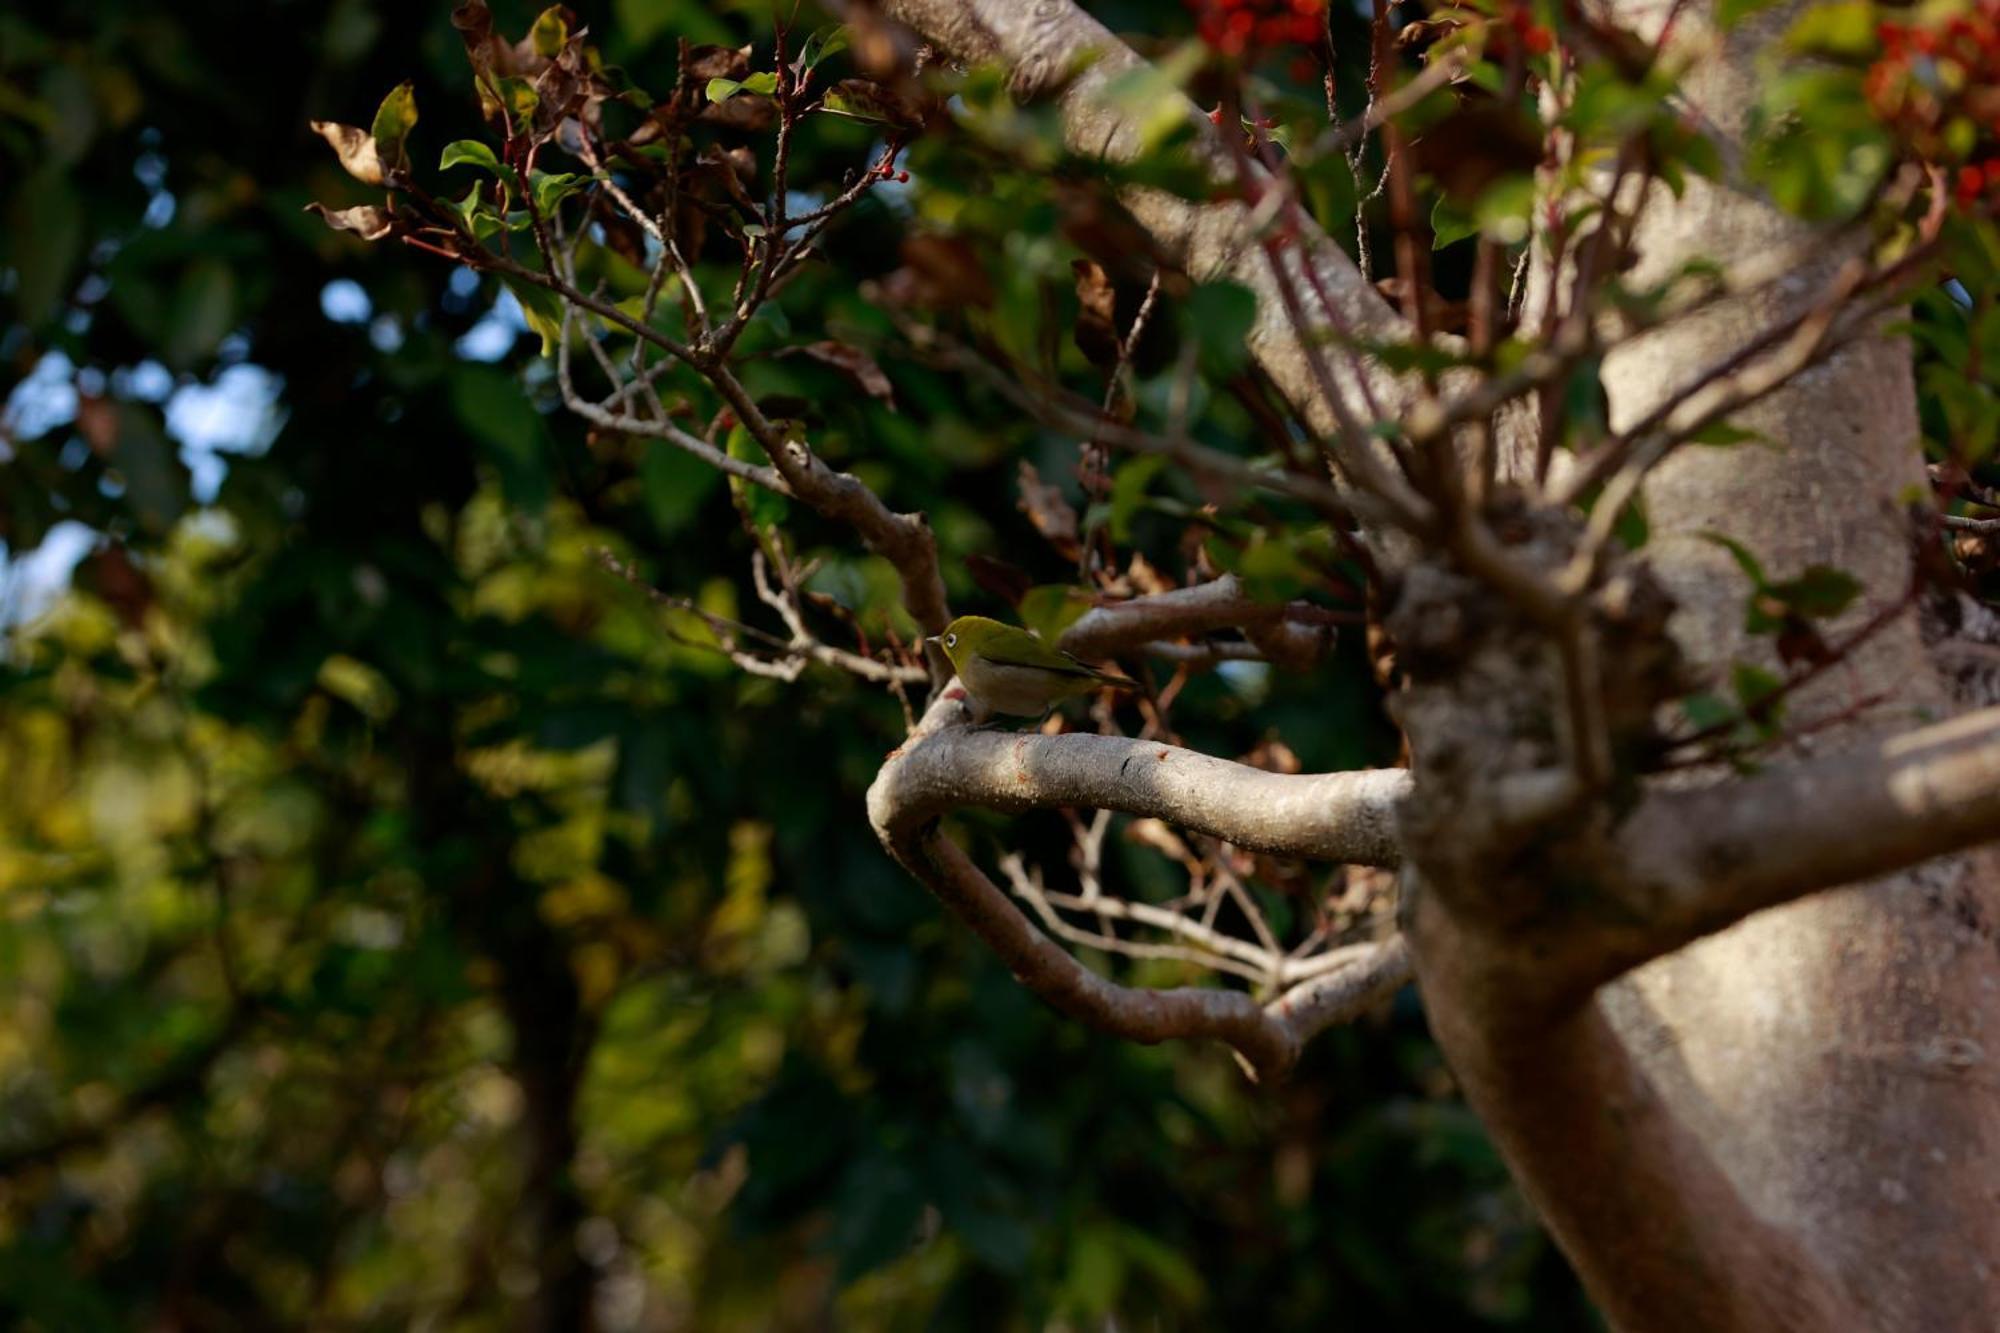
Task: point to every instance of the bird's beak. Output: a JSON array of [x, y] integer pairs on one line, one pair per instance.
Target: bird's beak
[[934, 640]]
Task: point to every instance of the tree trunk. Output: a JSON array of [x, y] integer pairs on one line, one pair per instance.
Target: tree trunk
[[1808, 1098]]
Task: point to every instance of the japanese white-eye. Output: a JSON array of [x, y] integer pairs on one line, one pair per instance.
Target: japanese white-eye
[[1008, 670]]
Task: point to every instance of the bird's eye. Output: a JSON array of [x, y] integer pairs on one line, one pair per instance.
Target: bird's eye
[[951, 641]]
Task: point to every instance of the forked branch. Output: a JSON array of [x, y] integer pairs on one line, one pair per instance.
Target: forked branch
[[1335, 816]]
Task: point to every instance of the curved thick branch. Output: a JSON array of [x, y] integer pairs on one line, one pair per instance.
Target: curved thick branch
[[1696, 861], [1326, 816], [1345, 816], [1267, 1044]]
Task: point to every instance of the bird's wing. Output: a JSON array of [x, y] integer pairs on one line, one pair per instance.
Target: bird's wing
[[1038, 655]]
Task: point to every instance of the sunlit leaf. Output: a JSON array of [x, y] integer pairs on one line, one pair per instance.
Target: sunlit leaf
[[721, 90], [394, 120], [543, 310], [356, 149], [367, 221], [471, 152], [550, 32]]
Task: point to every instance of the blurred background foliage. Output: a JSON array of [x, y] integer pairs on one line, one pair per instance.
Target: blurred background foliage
[[404, 924]]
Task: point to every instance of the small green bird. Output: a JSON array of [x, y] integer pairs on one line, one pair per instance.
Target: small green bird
[[1008, 670]]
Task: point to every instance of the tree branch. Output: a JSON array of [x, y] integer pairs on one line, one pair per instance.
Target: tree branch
[[903, 539], [1221, 603], [1327, 816], [1696, 861], [1341, 816], [1367, 974], [1268, 1044]]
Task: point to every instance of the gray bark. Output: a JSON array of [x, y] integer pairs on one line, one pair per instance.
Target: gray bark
[[1834, 1055]]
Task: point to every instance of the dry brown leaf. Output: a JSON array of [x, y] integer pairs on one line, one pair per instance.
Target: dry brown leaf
[[1273, 756], [1146, 581], [366, 221], [856, 364], [939, 273], [716, 62], [1048, 511], [356, 149], [1155, 834], [1096, 331], [1008, 582]]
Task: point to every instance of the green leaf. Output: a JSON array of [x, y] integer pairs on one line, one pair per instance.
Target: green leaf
[[1128, 492], [1150, 94], [394, 120], [156, 481], [204, 308], [1708, 711], [521, 101], [470, 208], [1819, 592], [1218, 316], [1096, 1270], [1816, 144], [542, 309], [1843, 29], [640, 21], [1584, 403], [508, 429], [1449, 225], [1729, 13], [674, 483], [551, 188], [1504, 209], [1168, 1268], [550, 33], [765, 509], [823, 43], [471, 152], [1632, 527], [1271, 564], [1752, 568], [1756, 690], [721, 90], [45, 233], [1050, 609]]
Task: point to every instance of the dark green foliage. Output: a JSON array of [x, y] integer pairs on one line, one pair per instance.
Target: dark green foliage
[[403, 923]]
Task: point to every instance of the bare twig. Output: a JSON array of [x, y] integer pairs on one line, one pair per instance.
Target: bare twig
[[789, 655]]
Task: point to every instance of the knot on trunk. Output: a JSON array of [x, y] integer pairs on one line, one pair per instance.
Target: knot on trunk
[[1487, 698]]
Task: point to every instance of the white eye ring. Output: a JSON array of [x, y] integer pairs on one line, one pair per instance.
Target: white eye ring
[[951, 641]]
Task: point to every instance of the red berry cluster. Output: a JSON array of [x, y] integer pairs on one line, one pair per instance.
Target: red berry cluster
[[1518, 17], [1246, 28], [1976, 181], [1937, 87]]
